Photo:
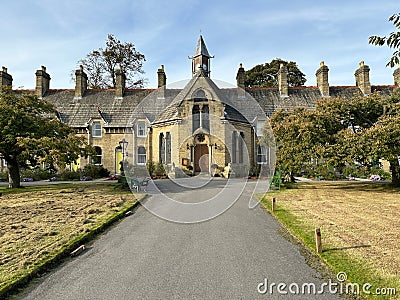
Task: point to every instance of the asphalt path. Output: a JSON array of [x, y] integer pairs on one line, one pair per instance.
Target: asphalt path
[[230, 256]]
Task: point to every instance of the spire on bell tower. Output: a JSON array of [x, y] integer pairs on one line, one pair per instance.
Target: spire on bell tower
[[201, 58]]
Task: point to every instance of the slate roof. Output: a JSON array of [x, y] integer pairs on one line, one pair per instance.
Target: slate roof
[[201, 48], [103, 104], [142, 103]]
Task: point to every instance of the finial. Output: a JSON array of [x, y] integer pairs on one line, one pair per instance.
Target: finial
[[361, 63], [240, 65], [43, 68], [4, 69], [322, 63], [81, 67]]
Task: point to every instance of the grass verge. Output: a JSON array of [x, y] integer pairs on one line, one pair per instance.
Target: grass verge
[[350, 242], [40, 226]]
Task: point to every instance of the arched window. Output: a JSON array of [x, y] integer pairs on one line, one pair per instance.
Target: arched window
[[205, 118], [141, 155], [168, 148], [98, 158], [196, 117], [241, 142], [234, 148], [161, 145], [199, 96]]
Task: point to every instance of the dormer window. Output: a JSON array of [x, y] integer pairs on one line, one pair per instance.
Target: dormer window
[[141, 129], [96, 129], [260, 126]]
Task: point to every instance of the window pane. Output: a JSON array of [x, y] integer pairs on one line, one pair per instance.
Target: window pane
[[168, 148], [196, 117], [233, 154], [241, 140], [261, 154], [97, 159], [161, 148], [96, 129], [260, 125], [205, 117], [141, 155], [141, 129]]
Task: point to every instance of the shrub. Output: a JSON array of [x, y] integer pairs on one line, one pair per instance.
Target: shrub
[[4, 176], [70, 175], [159, 170], [95, 171], [384, 175], [254, 170], [151, 166], [36, 174]]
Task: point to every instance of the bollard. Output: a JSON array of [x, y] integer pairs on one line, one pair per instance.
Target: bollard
[[318, 242], [273, 204]]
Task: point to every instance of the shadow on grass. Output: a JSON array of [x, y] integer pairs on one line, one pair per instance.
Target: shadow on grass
[[346, 248], [361, 186]]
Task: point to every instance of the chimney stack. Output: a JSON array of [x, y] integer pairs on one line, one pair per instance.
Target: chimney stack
[[6, 79], [322, 79], [240, 81], [162, 82], [240, 77], [80, 83], [42, 82], [119, 83], [282, 81], [396, 76], [362, 78]]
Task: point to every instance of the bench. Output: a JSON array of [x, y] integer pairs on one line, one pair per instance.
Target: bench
[[139, 183]]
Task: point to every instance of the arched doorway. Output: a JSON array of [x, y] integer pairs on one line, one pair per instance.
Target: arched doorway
[[201, 155], [201, 158]]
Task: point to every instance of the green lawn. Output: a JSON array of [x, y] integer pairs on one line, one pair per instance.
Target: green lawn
[[42, 224], [359, 225]]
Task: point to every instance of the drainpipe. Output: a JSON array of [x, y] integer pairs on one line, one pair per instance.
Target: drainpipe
[[134, 146], [210, 158], [88, 141]]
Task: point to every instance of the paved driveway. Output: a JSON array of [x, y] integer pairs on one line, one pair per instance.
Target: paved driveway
[[147, 257]]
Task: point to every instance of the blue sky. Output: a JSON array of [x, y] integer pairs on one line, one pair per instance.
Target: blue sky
[[57, 34]]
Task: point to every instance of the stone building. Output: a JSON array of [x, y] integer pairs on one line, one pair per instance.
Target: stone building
[[194, 129]]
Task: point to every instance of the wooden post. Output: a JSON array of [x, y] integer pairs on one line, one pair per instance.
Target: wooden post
[[318, 242], [273, 204]]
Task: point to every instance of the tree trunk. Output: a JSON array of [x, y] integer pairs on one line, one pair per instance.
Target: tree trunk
[[395, 169], [13, 174]]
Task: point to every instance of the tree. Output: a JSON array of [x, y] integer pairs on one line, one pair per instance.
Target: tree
[[297, 135], [101, 64], [30, 132], [384, 136], [392, 41], [340, 132], [265, 75]]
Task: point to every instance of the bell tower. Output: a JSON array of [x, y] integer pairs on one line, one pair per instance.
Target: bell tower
[[201, 58]]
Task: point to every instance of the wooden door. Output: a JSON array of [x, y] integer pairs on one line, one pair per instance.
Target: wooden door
[[201, 159]]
